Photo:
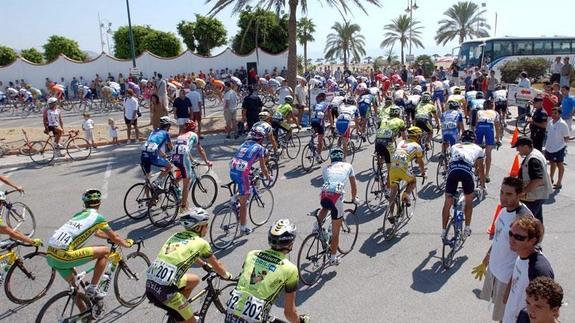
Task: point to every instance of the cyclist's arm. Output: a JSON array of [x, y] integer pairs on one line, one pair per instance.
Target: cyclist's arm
[[218, 267], [353, 184], [112, 235], [290, 310], [14, 234], [437, 123], [264, 168], [202, 153], [272, 139], [460, 126], [481, 169], [8, 182], [421, 165]]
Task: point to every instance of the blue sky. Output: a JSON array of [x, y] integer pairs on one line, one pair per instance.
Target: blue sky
[[28, 23]]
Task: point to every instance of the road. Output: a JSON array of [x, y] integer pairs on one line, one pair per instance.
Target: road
[[379, 281]]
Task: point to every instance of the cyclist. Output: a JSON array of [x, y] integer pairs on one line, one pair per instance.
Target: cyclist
[[320, 112], [182, 157], [500, 99], [399, 96], [400, 170], [487, 132], [57, 90], [383, 110], [4, 229], [52, 119], [474, 106], [412, 101], [464, 157], [11, 93], [67, 250], [423, 113], [346, 113], [264, 274], [283, 116], [389, 129], [84, 92], [335, 176], [168, 286], [240, 165], [438, 92], [265, 126], [155, 150], [366, 102], [451, 125], [457, 97]]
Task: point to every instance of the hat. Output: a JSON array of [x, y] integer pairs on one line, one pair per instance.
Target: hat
[[523, 141]]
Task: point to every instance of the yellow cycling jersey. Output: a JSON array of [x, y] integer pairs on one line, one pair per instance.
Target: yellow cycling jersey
[[457, 98], [405, 152]]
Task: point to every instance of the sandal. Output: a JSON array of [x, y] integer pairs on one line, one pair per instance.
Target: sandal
[[557, 187]]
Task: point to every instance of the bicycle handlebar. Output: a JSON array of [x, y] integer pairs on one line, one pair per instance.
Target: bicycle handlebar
[[211, 274], [139, 242], [12, 191]]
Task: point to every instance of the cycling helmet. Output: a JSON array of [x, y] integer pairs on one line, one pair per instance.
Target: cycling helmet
[[349, 100], [336, 154], [457, 91], [414, 132], [165, 121], [282, 234], [2, 196], [190, 125], [417, 89], [257, 133], [468, 136], [394, 111], [92, 198], [479, 95], [341, 93], [288, 99], [320, 97], [194, 218], [426, 97], [52, 100], [453, 105], [264, 115], [388, 99]]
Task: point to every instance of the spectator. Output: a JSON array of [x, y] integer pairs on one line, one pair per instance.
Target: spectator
[[524, 82], [131, 115], [74, 87], [52, 118], [533, 173], [337, 74], [567, 104], [442, 74], [252, 76], [538, 125], [404, 74], [113, 131], [196, 99], [283, 91], [566, 71], [162, 92], [544, 298], [492, 82], [283, 72], [550, 100], [499, 261], [251, 107], [300, 98], [524, 236], [556, 90], [88, 127], [454, 68], [230, 109], [182, 110], [156, 111], [122, 82], [557, 137], [556, 70], [110, 77], [65, 86]]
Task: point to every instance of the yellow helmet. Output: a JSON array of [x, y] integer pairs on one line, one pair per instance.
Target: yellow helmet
[[414, 132]]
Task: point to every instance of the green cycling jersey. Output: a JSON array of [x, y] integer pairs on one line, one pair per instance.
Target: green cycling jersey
[[389, 128], [383, 111], [285, 109], [76, 231], [425, 110]]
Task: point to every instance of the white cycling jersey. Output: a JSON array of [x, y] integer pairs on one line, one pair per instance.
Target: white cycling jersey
[[487, 116], [466, 152], [335, 176], [347, 112], [12, 92], [500, 95]]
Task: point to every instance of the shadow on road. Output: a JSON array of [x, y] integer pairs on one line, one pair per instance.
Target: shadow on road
[[236, 244], [149, 231], [305, 293], [11, 311], [376, 244], [432, 279], [364, 175], [115, 314], [429, 192]]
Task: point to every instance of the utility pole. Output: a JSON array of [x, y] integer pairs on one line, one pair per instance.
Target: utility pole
[[132, 48], [101, 36]]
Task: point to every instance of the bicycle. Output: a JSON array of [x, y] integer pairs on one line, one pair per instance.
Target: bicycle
[[311, 154], [376, 188], [212, 294], [163, 204], [442, 167], [225, 223], [523, 122], [403, 210], [314, 251], [73, 305], [25, 277], [454, 236], [44, 152], [428, 152], [18, 215], [288, 142]]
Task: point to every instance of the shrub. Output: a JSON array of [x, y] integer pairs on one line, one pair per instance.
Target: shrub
[[536, 68]]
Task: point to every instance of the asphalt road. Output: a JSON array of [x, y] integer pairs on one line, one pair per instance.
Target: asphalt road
[[401, 280]]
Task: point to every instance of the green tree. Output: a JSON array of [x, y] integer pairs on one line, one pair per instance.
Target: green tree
[[345, 42], [269, 29], [32, 55], [57, 45], [535, 68], [305, 30], [426, 64], [402, 29], [162, 43], [464, 20], [145, 38], [378, 63], [7, 55], [293, 6], [203, 35]]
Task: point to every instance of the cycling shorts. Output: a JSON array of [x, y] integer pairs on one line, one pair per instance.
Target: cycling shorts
[[184, 164], [170, 298], [459, 172], [64, 261], [384, 148], [363, 109], [398, 174], [280, 125], [451, 137], [410, 110], [424, 124], [242, 180], [501, 107], [439, 95], [334, 203], [317, 126], [485, 134], [474, 117], [148, 159], [400, 102], [343, 128]]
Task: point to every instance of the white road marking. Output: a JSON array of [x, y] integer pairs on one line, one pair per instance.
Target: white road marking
[[107, 175]]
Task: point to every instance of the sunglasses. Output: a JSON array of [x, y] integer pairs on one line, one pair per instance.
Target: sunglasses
[[516, 236]]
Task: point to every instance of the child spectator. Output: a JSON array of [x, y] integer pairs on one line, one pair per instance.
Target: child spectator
[[113, 131], [88, 127]]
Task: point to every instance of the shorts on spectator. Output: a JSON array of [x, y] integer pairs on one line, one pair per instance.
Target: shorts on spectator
[[88, 133], [52, 129], [129, 122], [182, 121], [556, 157], [493, 291], [382, 148], [230, 116]]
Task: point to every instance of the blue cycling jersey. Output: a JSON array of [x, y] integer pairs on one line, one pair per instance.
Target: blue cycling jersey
[[450, 119], [156, 142], [319, 111], [476, 104], [250, 151]]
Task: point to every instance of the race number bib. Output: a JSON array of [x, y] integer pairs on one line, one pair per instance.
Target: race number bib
[[448, 125], [319, 114], [385, 133], [277, 116], [252, 307], [61, 239], [182, 149], [239, 165], [333, 187], [162, 273], [399, 160], [150, 147]]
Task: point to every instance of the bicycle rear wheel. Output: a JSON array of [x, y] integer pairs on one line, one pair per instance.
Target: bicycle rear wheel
[[351, 151], [224, 228], [375, 193], [450, 244], [274, 170], [130, 279], [293, 145], [42, 152], [165, 209], [348, 232], [216, 309], [78, 149], [65, 306], [370, 132], [204, 191], [389, 229], [261, 206], [307, 158], [28, 279], [136, 201], [21, 218], [441, 172], [311, 259]]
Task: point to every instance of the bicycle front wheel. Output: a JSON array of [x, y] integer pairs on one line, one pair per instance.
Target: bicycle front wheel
[[224, 228], [311, 259], [216, 309], [293, 145], [450, 244], [348, 232], [21, 218], [375, 193], [41, 152], [351, 151], [65, 306], [136, 201], [441, 173], [204, 191], [28, 279], [307, 158], [261, 206], [388, 229], [78, 149], [274, 170], [130, 279], [163, 209]]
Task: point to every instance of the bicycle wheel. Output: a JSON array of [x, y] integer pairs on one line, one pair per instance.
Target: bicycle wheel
[[293, 145], [65, 306], [388, 229], [429, 152], [21, 218], [224, 228], [410, 210], [130, 279], [351, 151], [307, 158], [370, 132], [521, 124], [261, 206], [163, 208], [348, 232], [311, 259], [375, 193], [441, 173], [274, 170], [136, 201], [450, 242], [327, 144], [204, 191], [374, 163], [28, 279], [42, 152], [78, 149], [356, 139], [216, 309]]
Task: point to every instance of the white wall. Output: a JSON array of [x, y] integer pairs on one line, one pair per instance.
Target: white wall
[[147, 62]]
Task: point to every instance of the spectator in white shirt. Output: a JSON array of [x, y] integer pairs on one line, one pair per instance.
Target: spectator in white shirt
[[556, 70], [88, 127], [230, 109], [523, 80], [131, 114], [300, 98], [196, 98], [284, 91], [557, 136]]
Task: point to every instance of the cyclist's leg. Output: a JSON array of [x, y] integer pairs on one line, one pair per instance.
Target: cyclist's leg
[[451, 183], [179, 300], [186, 172], [336, 220], [243, 182], [394, 178], [411, 184], [468, 184]]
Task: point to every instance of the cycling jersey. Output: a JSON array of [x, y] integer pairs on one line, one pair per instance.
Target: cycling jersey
[[150, 155], [263, 126], [500, 95], [249, 152], [265, 273], [425, 110], [467, 153], [335, 176], [470, 95], [85, 91], [457, 98], [476, 104], [398, 95], [274, 83], [389, 128], [25, 95], [414, 99], [401, 160], [460, 169], [135, 87], [36, 93], [485, 131], [450, 120], [346, 113], [383, 112], [12, 92], [181, 154], [53, 116], [283, 111], [318, 117], [364, 104]]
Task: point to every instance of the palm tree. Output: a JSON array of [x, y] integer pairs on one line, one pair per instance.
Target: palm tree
[[344, 42], [390, 56], [402, 29], [341, 5], [465, 20], [305, 30]]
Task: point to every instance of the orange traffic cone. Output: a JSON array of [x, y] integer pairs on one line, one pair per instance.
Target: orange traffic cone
[[515, 136], [514, 172], [491, 230]]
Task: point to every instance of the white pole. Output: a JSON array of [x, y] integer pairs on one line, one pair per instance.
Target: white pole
[[495, 29], [101, 36]]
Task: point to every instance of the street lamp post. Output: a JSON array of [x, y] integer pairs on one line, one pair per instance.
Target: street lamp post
[[411, 6], [107, 26], [132, 48]]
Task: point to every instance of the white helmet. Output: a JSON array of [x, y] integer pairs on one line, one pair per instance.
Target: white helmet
[[194, 218], [52, 100], [2, 196], [281, 234]]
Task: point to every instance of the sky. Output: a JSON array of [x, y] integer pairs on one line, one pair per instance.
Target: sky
[[78, 20]]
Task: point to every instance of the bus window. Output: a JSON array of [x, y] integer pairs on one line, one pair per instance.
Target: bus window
[[542, 47], [470, 55], [561, 47], [523, 47], [502, 48]]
